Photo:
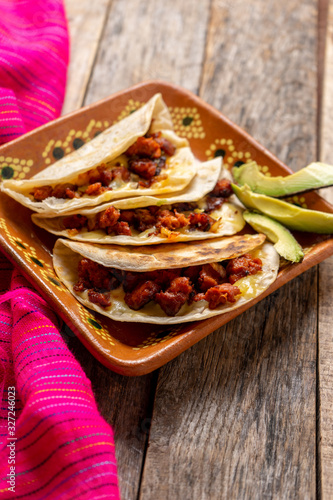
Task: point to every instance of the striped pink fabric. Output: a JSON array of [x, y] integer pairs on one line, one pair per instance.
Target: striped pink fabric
[[33, 64], [54, 444]]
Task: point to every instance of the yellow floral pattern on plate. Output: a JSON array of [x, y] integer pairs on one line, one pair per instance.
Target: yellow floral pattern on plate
[[57, 149], [99, 328], [14, 168], [158, 337], [232, 157]]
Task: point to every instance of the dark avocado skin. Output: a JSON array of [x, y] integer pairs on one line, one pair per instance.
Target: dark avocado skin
[[285, 243], [314, 176], [291, 216]]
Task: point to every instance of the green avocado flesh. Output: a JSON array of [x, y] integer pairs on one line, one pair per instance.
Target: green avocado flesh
[[285, 243], [314, 176], [291, 216]]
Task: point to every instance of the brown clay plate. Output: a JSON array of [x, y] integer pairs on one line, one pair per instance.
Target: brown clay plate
[[132, 348]]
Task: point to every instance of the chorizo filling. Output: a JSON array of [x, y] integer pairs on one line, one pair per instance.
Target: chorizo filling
[[167, 220], [142, 164], [170, 289]]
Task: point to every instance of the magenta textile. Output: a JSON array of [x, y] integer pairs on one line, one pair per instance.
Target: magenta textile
[[54, 444], [33, 64]]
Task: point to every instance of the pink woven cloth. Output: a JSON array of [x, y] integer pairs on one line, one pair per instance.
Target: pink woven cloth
[[54, 444], [33, 64]]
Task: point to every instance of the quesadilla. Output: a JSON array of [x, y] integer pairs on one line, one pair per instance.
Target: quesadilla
[[140, 155], [207, 209], [153, 285]]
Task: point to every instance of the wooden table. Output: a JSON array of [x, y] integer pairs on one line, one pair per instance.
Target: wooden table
[[248, 411]]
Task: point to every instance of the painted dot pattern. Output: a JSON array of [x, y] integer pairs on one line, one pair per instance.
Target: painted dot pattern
[[158, 337], [58, 153], [219, 152], [75, 139], [29, 253], [231, 156], [130, 107], [187, 122], [14, 168], [54, 281], [78, 143], [298, 200], [98, 327]]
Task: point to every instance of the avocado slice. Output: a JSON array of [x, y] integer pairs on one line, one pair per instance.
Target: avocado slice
[[285, 243], [291, 216], [314, 176]]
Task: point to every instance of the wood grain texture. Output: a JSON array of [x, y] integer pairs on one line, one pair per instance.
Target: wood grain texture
[[325, 368], [235, 417], [149, 40], [260, 71], [125, 403], [232, 415], [325, 348], [85, 27], [323, 9], [327, 98]]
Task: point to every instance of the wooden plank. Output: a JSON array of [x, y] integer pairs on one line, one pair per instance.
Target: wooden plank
[[231, 416], [125, 403], [85, 27], [250, 73], [325, 316], [323, 10], [150, 40], [327, 100], [235, 416], [325, 368]]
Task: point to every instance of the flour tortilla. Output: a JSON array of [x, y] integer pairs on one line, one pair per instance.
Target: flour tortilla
[[106, 148], [67, 255], [230, 214]]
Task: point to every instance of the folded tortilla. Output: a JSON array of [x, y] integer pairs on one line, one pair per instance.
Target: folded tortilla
[[229, 216], [67, 255], [106, 148]]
